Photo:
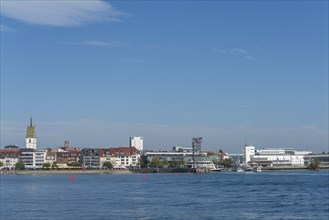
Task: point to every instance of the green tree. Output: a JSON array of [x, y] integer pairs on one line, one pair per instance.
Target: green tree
[[1, 164], [46, 166], [173, 163], [143, 161], [227, 163], [19, 166], [54, 166], [74, 164], [164, 163], [107, 165], [155, 163], [315, 165]]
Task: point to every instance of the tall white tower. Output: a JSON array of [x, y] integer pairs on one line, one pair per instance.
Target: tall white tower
[[31, 138], [248, 151], [136, 142]]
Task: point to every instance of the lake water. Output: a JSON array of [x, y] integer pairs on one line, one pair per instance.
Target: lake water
[[277, 195]]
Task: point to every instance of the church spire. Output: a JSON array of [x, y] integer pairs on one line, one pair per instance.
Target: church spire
[[30, 131]]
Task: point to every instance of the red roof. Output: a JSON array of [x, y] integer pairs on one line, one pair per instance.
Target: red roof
[[9, 153], [123, 151]]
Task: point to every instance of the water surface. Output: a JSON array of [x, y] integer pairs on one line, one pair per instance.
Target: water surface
[[275, 195]]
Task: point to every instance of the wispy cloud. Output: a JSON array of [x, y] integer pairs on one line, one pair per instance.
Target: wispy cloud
[[60, 13], [236, 52], [4, 28], [113, 43], [250, 58], [107, 43]]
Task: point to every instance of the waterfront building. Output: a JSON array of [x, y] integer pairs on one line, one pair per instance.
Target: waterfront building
[[26, 157], [31, 137], [322, 158], [90, 158], [50, 157], [124, 157], [237, 158], [136, 142], [105, 156], [66, 153], [39, 158], [248, 152], [32, 159], [180, 157], [9, 157], [223, 156], [173, 158], [279, 157], [182, 149]]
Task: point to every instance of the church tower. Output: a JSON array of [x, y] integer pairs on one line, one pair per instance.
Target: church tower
[[31, 137]]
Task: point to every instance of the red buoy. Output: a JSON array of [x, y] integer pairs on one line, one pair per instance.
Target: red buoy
[[71, 178]]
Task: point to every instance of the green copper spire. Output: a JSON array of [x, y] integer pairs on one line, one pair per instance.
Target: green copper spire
[[30, 131]]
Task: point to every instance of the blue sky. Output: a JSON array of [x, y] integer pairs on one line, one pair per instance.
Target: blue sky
[[96, 72]]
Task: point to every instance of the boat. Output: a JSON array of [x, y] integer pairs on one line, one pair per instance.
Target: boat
[[258, 169], [237, 168], [201, 165], [246, 167], [218, 168]]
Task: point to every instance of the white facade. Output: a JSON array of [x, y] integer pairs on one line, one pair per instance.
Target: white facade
[[39, 158], [8, 163], [182, 149], [248, 152], [128, 161], [31, 143], [136, 142], [33, 159], [120, 162], [280, 157]]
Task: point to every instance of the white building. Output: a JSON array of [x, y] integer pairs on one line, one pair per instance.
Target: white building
[[136, 142], [32, 159], [248, 152], [278, 157], [31, 138], [121, 157], [182, 149], [39, 158], [8, 162], [9, 158]]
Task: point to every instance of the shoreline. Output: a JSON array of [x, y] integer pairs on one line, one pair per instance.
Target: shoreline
[[125, 171], [69, 172]]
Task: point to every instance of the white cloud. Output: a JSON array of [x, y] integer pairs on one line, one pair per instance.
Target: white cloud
[[60, 13], [238, 51], [107, 43]]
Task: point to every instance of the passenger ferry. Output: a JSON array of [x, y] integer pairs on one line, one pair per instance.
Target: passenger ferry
[[218, 168], [201, 165]]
